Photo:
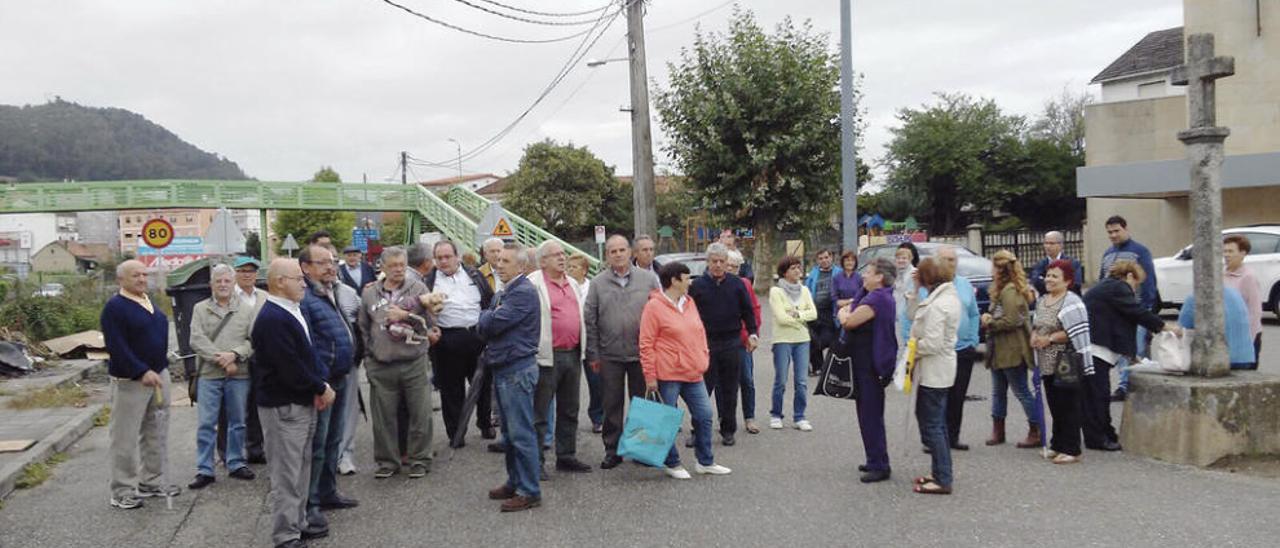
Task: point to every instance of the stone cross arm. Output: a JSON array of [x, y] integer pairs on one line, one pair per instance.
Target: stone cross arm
[[1199, 73]]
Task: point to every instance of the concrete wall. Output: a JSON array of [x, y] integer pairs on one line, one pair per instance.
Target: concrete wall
[[1249, 101], [42, 226], [1148, 86], [1141, 130]]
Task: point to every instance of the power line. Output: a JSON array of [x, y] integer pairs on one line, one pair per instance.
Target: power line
[[525, 19], [548, 13], [425, 17]]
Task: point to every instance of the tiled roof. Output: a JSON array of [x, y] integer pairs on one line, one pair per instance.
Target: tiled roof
[[1158, 50]]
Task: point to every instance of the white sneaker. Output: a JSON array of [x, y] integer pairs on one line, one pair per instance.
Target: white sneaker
[[346, 467], [775, 423], [714, 469], [678, 472], [804, 426]]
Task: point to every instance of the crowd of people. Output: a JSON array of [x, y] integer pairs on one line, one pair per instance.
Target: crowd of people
[[512, 339]]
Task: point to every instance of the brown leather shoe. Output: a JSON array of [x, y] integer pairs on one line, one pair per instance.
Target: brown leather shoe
[[1032, 440], [518, 503], [997, 432], [502, 492]]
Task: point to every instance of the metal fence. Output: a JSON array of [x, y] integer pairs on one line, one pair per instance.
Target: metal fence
[[1028, 245]]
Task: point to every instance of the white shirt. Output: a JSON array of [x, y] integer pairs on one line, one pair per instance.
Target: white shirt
[[247, 299], [680, 303], [293, 309], [462, 304], [355, 273]]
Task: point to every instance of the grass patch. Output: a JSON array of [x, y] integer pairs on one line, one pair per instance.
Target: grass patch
[[103, 417], [55, 396], [37, 473]]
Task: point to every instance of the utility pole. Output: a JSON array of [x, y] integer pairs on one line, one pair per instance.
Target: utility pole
[[644, 198], [848, 152], [404, 167]]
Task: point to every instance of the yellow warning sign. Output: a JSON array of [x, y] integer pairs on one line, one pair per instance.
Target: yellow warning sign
[[503, 229]]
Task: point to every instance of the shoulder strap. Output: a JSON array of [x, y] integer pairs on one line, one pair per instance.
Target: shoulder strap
[[221, 324]]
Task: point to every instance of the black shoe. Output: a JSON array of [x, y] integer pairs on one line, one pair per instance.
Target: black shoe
[[863, 468], [957, 446], [243, 473], [1104, 446], [610, 461], [873, 476], [570, 464], [926, 450], [201, 482], [488, 433], [315, 532], [1119, 395], [292, 543], [497, 447], [339, 502], [257, 458], [727, 440], [597, 429]]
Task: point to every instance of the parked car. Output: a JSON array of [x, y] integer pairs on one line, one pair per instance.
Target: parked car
[[974, 267], [49, 290], [697, 262], [1174, 279]]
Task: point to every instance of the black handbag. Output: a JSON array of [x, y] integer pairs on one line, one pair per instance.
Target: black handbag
[[836, 379], [1070, 368]]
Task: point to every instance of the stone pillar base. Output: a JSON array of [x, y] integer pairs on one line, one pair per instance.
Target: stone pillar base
[[1197, 421]]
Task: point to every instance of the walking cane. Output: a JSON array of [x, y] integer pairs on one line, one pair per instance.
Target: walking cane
[[158, 400], [908, 389], [1036, 381]]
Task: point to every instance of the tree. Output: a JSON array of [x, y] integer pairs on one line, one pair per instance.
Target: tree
[[563, 188], [753, 122], [393, 229], [1062, 121], [302, 223]]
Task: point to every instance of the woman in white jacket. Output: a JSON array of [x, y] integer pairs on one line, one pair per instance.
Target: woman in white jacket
[[934, 329]]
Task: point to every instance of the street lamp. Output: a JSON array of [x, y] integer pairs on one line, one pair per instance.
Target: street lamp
[[459, 145], [597, 62]]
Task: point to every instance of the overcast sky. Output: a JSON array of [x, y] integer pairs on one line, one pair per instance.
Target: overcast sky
[[285, 86]]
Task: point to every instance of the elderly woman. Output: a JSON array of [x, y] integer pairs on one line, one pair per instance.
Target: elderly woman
[[577, 267], [1061, 326], [1234, 249], [220, 339], [674, 356], [935, 325], [1114, 316], [747, 380], [1010, 340], [869, 339], [906, 257], [793, 309]]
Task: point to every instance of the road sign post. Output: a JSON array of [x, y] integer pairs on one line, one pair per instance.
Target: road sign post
[[600, 235], [157, 233]]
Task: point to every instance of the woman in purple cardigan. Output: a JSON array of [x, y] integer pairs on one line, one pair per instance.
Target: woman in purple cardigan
[[846, 283]]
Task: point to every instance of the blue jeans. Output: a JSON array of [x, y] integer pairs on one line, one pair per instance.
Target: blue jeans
[[515, 385], [794, 358], [699, 404], [595, 400], [747, 381], [931, 413], [326, 445], [1142, 351], [1016, 378], [215, 394]]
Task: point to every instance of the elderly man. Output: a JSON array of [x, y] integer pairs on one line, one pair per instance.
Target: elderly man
[[397, 367], [644, 251], [730, 240], [615, 301], [560, 342], [491, 248], [291, 389], [1053, 243], [458, 353], [725, 309], [355, 272], [511, 328], [137, 338], [333, 343], [220, 339], [251, 299], [419, 261]]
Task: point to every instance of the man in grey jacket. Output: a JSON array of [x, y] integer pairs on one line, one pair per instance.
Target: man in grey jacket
[[612, 312]]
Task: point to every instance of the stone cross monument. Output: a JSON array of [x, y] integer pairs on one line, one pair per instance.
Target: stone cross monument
[[1204, 148]]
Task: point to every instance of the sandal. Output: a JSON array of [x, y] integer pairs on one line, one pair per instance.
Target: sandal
[[1064, 458], [922, 480], [931, 488], [752, 428]]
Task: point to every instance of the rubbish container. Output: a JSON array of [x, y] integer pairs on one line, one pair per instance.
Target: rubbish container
[[188, 285]]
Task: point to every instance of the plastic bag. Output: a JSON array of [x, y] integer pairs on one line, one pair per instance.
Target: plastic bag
[[1172, 351], [649, 432], [903, 369]]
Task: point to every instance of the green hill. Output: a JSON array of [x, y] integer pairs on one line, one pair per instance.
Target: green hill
[[60, 140]]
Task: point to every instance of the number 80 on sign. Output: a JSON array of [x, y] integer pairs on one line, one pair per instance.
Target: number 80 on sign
[[157, 233]]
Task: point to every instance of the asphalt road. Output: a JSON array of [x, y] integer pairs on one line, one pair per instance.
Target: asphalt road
[[787, 488]]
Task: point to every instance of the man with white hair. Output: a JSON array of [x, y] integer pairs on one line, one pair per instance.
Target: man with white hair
[[562, 335], [137, 339], [725, 309], [491, 248], [1053, 244]]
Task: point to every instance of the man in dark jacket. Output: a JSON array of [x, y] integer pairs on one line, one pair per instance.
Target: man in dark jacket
[[334, 346], [645, 250], [725, 309], [355, 272], [511, 328], [290, 389], [458, 353], [1053, 243]]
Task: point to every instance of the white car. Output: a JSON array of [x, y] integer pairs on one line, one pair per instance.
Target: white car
[[1173, 274]]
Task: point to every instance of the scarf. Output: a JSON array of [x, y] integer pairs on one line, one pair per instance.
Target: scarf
[[794, 291]]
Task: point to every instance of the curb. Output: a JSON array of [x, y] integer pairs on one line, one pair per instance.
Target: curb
[[58, 441]]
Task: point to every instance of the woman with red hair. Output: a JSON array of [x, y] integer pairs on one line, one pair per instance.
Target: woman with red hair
[[1059, 329]]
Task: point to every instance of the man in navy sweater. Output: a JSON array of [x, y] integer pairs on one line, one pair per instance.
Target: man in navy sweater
[[137, 339], [289, 389], [725, 309]]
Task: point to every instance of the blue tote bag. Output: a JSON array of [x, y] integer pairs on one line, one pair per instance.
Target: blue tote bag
[[649, 432]]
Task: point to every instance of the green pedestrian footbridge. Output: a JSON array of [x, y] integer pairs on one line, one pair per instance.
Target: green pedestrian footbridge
[[454, 212]]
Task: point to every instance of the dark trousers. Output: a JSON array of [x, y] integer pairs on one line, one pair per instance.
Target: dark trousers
[[871, 418], [1064, 407], [955, 395], [1257, 350], [822, 334], [253, 448], [326, 445], [615, 377], [595, 404], [722, 378], [1095, 405], [561, 382], [454, 359]]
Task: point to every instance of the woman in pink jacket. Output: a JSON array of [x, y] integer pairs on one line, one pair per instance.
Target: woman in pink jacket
[[673, 355]]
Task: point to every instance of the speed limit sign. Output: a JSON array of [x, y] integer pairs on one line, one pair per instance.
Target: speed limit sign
[[157, 233]]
